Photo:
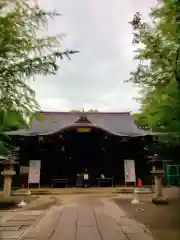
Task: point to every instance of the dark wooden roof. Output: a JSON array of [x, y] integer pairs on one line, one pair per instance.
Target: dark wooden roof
[[120, 123]]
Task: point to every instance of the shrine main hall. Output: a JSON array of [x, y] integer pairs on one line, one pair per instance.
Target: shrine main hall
[[68, 143]]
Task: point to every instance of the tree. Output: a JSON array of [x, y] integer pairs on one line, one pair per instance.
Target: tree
[[156, 74], [23, 54], [76, 110], [9, 121], [156, 55], [161, 111], [158, 48], [92, 110], [140, 120]]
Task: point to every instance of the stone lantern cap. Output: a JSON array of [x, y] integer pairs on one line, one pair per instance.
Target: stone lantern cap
[[8, 172], [157, 172], [9, 160], [157, 163], [3, 157], [155, 158]]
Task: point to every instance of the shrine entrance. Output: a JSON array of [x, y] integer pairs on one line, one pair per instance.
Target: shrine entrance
[[81, 149], [66, 146], [86, 150]]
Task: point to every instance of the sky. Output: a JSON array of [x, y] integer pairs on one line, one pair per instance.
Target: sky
[[94, 78]]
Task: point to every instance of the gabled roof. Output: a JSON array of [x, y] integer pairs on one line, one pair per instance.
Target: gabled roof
[[120, 123]]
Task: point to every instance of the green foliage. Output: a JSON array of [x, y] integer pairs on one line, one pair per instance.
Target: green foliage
[[9, 120], [140, 119], [92, 110], [23, 54], [158, 47], [75, 110], [156, 55]]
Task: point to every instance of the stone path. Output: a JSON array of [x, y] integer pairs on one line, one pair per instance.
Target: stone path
[[85, 218], [14, 224]]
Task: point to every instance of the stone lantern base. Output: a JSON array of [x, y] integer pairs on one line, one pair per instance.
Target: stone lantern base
[[8, 174], [158, 198]]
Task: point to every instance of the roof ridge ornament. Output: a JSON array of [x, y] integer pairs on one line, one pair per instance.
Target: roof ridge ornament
[[82, 119]]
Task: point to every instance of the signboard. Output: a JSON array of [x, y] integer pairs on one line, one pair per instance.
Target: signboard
[[34, 171], [86, 176], [24, 170], [129, 170], [83, 130]]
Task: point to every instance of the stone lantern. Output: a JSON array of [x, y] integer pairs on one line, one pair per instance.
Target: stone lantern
[[158, 173], [8, 172]]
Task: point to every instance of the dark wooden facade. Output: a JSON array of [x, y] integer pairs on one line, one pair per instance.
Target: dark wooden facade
[[68, 143]]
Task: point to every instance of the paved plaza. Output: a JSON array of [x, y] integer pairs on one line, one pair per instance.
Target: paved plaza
[[77, 218]]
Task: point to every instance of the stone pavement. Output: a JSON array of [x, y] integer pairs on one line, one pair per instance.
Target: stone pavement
[[14, 224], [79, 218]]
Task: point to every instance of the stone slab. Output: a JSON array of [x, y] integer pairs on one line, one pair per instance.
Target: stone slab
[[46, 226], [11, 234], [113, 210], [35, 238], [86, 217], [12, 223], [140, 236], [68, 216], [81, 220], [125, 221], [86, 224], [66, 228], [132, 229], [108, 228], [65, 232], [88, 233], [33, 212], [7, 228], [24, 218]]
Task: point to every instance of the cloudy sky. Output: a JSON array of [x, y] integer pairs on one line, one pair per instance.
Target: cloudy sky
[[94, 78]]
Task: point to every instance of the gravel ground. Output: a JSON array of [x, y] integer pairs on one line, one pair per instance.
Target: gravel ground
[[162, 220], [8, 203]]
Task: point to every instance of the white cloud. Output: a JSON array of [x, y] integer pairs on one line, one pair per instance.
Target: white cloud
[[94, 78]]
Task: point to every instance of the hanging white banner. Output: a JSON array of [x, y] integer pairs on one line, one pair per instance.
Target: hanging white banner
[[34, 171], [129, 171]]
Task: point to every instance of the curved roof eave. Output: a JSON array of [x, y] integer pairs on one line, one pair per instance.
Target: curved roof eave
[[69, 126], [72, 125]]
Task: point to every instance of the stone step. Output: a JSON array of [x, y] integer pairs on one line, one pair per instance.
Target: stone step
[[143, 190], [21, 192], [125, 190]]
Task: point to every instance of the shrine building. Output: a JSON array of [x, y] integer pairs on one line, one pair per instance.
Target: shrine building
[[68, 143]]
